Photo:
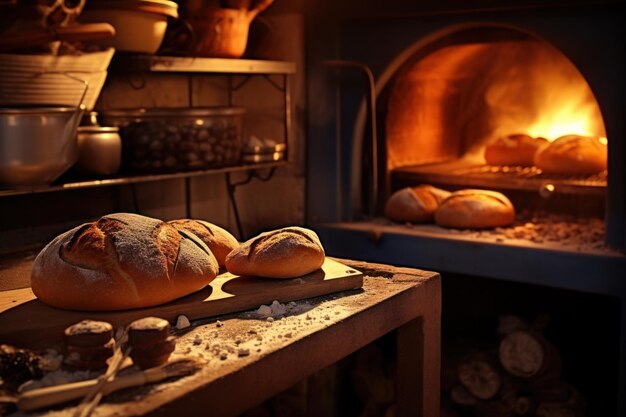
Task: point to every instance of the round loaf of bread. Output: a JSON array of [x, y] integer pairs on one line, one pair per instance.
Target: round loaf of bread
[[513, 150], [573, 154], [121, 261], [284, 253], [475, 209], [414, 204], [219, 240]]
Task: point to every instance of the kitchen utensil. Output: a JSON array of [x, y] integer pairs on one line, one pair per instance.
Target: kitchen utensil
[[223, 32], [40, 79], [99, 149], [38, 144], [45, 397], [82, 32], [140, 24]]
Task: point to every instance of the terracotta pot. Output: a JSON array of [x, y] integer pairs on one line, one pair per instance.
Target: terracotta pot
[[223, 32]]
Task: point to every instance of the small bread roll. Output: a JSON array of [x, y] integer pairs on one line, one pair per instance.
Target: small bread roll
[[88, 345], [573, 154], [475, 209], [285, 253], [219, 240], [150, 342], [414, 204], [121, 261], [513, 150]]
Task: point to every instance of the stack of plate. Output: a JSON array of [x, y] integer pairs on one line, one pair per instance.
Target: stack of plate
[[49, 79], [264, 153]]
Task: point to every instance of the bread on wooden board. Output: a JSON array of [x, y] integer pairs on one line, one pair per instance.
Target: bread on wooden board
[[284, 253], [475, 209], [414, 204], [572, 154], [121, 261], [513, 150], [219, 240]]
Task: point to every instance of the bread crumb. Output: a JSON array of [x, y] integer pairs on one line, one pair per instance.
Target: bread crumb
[[264, 310], [243, 352], [197, 340], [219, 324], [182, 322], [270, 319]]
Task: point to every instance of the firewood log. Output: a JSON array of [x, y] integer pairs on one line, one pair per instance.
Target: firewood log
[[461, 396], [526, 354], [480, 377]]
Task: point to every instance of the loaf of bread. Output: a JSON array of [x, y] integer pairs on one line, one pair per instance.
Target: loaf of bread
[[219, 240], [572, 154], [414, 204], [121, 261], [284, 253], [513, 150], [475, 209]]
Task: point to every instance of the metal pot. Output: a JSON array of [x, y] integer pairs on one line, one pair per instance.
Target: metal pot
[[37, 144], [100, 150]]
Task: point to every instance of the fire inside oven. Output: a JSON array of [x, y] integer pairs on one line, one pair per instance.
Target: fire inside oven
[[455, 96]]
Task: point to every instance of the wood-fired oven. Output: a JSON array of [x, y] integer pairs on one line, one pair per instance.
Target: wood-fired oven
[[448, 79]]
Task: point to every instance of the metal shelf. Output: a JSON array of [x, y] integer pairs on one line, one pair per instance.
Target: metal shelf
[[151, 63], [133, 179]]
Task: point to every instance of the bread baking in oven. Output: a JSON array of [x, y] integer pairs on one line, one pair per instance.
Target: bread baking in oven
[[475, 209], [573, 154], [121, 261], [513, 150], [283, 253], [414, 204], [219, 240]]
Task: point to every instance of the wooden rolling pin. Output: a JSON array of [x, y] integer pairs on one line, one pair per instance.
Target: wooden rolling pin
[[48, 396]]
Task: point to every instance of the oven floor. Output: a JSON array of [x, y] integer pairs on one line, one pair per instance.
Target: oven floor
[[500, 253]]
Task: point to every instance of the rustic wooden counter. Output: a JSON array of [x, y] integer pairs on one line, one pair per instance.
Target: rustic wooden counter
[[249, 357]]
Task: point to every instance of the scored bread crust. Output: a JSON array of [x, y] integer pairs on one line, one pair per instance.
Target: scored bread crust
[[475, 209], [414, 204], [573, 154], [121, 261], [219, 240], [514, 150], [284, 253]]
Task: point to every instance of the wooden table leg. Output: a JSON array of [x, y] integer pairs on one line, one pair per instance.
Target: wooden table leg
[[418, 367]]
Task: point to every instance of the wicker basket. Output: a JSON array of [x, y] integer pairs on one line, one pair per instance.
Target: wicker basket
[[41, 79]]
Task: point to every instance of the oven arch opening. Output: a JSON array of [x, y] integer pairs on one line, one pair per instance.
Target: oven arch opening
[[455, 89]]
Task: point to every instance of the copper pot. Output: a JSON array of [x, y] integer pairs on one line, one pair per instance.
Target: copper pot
[[223, 32]]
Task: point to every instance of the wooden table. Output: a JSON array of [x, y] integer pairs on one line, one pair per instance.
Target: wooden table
[[250, 358]]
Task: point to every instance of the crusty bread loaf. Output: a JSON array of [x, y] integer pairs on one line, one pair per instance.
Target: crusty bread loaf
[[513, 150], [414, 204], [283, 253], [121, 261], [475, 209], [573, 154], [219, 240]]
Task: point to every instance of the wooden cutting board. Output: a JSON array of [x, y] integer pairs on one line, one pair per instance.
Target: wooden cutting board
[[27, 322]]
